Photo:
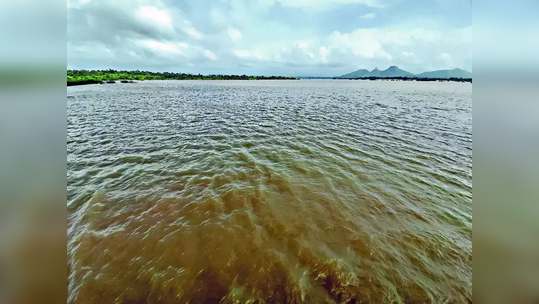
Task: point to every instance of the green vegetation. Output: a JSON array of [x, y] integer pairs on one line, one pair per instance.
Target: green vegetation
[[79, 77]]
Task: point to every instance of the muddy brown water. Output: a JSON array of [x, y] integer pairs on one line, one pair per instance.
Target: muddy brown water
[[269, 192]]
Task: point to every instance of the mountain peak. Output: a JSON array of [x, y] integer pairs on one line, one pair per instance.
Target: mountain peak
[[394, 71], [356, 74]]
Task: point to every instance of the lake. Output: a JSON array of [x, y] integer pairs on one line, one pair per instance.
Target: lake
[[320, 191]]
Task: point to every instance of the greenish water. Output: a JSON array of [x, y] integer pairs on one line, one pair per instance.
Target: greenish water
[[270, 192]]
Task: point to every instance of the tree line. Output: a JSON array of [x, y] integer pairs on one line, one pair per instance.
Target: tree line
[[100, 76]]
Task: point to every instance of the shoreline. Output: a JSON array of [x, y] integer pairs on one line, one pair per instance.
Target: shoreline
[[452, 79], [461, 80], [85, 77], [88, 82]]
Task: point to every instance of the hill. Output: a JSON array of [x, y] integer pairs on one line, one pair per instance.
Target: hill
[[455, 73], [394, 72], [356, 74]]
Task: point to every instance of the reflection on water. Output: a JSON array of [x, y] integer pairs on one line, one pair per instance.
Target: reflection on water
[[270, 192]]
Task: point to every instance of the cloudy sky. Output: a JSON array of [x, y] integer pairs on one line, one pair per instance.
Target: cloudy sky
[[269, 37]]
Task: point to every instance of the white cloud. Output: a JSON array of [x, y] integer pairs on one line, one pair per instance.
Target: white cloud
[[210, 55], [155, 16], [178, 52], [243, 53], [266, 42], [368, 16], [445, 56], [164, 47], [324, 53], [362, 43], [247, 54], [408, 54], [325, 4], [303, 45], [373, 47], [193, 32], [445, 61], [234, 34], [187, 27]]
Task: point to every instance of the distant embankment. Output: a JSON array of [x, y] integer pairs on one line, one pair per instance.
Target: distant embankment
[[469, 80], [82, 77], [91, 81], [82, 82]]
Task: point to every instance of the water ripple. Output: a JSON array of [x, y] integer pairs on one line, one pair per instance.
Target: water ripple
[[276, 192]]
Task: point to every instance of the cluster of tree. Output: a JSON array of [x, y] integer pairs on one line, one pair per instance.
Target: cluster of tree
[[75, 77], [412, 79]]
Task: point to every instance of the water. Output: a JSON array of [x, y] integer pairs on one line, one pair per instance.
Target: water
[[270, 192]]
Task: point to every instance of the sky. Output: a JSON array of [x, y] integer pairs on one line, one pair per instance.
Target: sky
[[269, 37]]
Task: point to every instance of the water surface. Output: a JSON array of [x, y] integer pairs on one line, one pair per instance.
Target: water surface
[[270, 192]]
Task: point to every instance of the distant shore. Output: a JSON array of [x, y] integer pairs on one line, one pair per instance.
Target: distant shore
[[84, 77], [463, 80], [86, 82], [452, 79]]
